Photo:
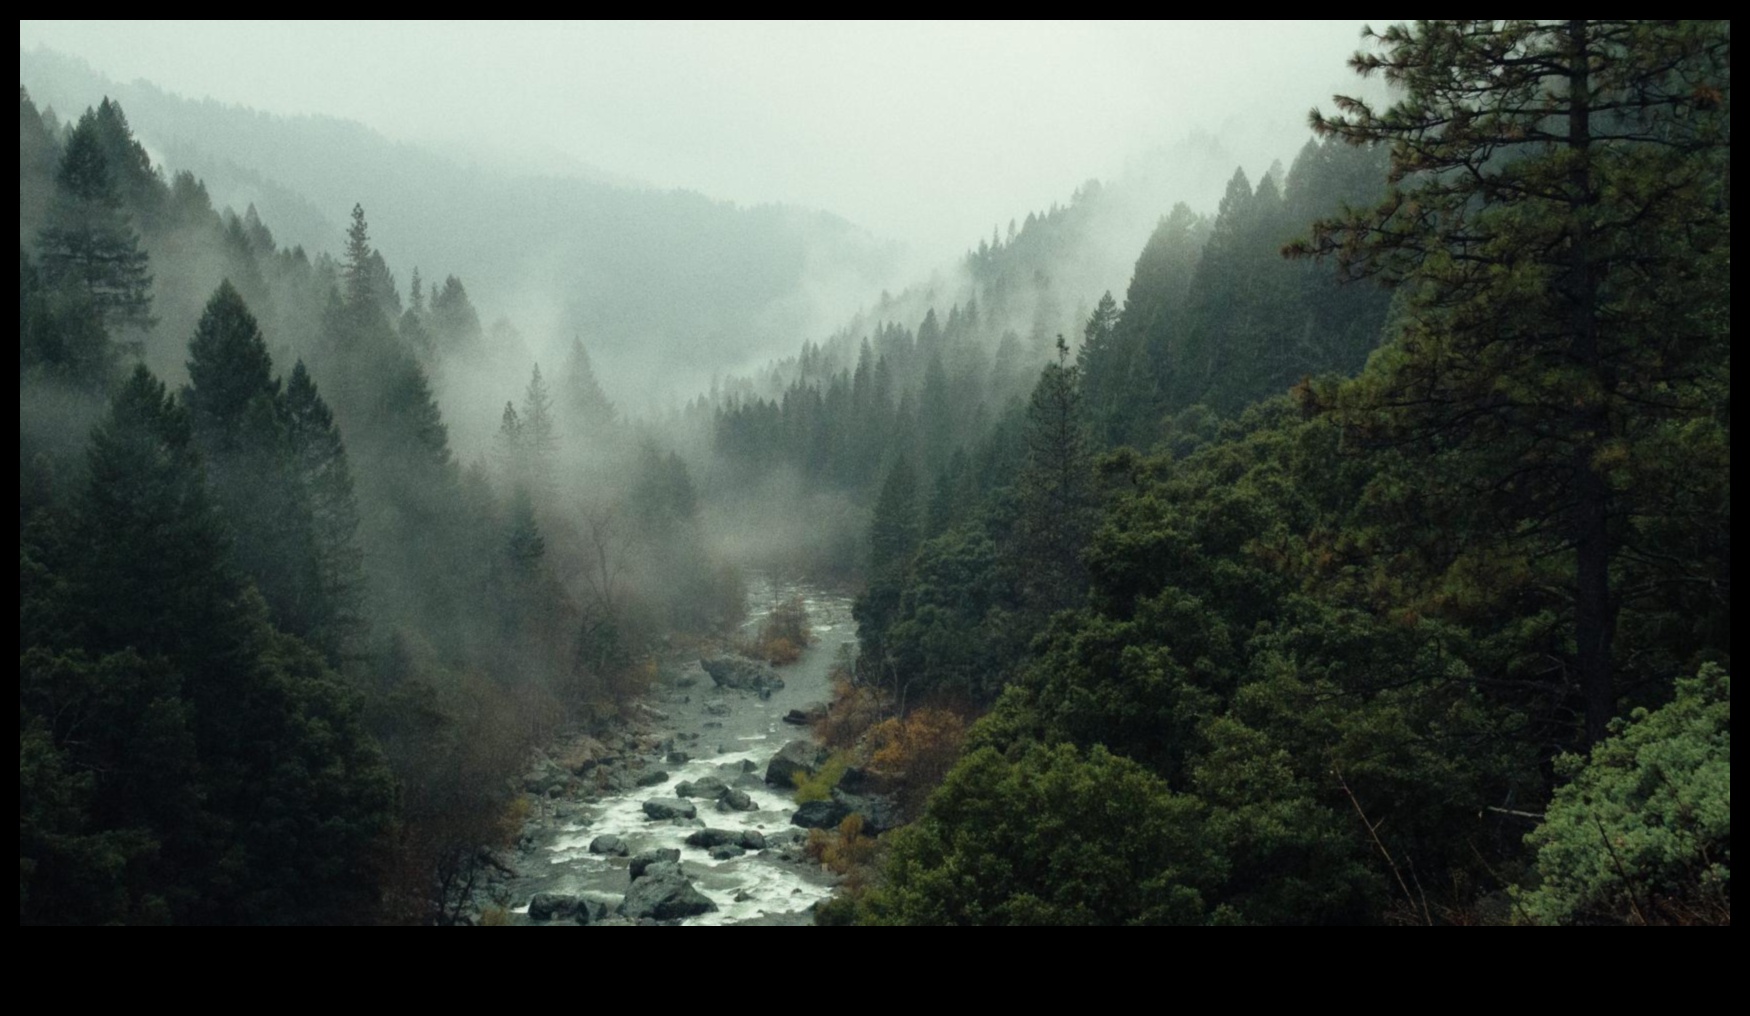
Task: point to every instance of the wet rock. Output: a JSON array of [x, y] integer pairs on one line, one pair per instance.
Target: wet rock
[[664, 893], [736, 800], [708, 787], [552, 906], [880, 813], [713, 837], [669, 807], [742, 673], [718, 709], [820, 815], [856, 780], [609, 844], [656, 777], [796, 757], [727, 851], [642, 862], [753, 839], [748, 765], [545, 779], [796, 717], [678, 758]]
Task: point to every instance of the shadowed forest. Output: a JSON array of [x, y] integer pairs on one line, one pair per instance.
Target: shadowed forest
[[1354, 550]]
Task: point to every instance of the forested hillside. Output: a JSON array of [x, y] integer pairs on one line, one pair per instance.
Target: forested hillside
[[281, 651], [1324, 657], [667, 285], [1365, 559]]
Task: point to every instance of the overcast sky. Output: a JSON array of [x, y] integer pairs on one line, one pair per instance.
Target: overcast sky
[[927, 133]]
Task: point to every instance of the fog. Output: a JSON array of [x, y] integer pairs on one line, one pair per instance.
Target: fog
[[926, 134]]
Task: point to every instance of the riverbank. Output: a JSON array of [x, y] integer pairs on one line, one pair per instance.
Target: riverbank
[[590, 815]]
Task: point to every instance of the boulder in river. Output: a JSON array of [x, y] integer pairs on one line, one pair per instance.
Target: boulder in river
[[753, 839], [654, 778], [669, 807], [727, 851], [736, 800], [713, 837], [642, 862], [742, 673], [664, 893], [552, 906], [609, 844], [708, 787]]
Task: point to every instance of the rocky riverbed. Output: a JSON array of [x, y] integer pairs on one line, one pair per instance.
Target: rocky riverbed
[[678, 797]]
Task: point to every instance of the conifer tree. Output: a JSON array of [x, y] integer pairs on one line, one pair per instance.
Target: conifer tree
[[1559, 219], [358, 273], [90, 242], [540, 437], [587, 403], [1055, 490], [325, 481]]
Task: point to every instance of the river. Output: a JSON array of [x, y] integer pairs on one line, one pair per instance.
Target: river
[[723, 733]]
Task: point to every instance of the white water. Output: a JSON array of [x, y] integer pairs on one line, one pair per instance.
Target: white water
[[759, 886]]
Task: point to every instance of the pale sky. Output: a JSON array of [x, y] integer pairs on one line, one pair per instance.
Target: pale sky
[[925, 133]]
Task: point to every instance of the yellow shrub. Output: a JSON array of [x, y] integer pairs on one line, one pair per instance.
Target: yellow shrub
[[785, 633], [818, 787], [781, 651], [510, 824], [844, 849], [494, 917]]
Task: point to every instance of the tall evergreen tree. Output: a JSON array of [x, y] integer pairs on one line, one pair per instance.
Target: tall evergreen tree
[[585, 401], [540, 436], [325, 481], [1055, 491], [1560, 219], [359, 277], [90, 241]]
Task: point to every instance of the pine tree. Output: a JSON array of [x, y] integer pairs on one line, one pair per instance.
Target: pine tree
[[324, 477], [523, 543], [89, 242], [358, 272], [229, 368], [453, 322], [154, 569], [894, 530], [1055, 491], [1560, 221], [511, 446], [540, 438], [584, 399]]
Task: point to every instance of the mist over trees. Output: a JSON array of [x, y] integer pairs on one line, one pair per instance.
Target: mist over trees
[[1363, 557]]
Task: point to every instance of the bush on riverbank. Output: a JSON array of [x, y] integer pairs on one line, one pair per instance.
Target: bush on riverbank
[[784, 634]]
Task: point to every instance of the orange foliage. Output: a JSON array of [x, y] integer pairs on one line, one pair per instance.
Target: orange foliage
[[852, 711], [785, 633], [916, 751], [845, 851]]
